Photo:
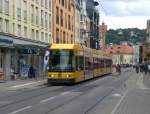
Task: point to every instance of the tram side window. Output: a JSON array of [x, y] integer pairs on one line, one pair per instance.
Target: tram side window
[[101, 63], [79, 63], [95, 63], [108, 63]]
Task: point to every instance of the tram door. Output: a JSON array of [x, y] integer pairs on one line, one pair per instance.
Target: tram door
[[88, 64]]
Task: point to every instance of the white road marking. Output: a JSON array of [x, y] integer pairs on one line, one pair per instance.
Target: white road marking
[[48, 99], [22, 109], [140, 82], [117, 95], [118, 104], [27, 84], [65, 93]]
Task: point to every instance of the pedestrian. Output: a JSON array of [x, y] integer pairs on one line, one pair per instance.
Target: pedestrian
[[145, 68], [118, 67], [137, 68], [12, 73], [141, 67], [31, 72], [149, 68]]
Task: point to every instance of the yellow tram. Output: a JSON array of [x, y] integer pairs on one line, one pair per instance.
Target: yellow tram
[[73, 63]]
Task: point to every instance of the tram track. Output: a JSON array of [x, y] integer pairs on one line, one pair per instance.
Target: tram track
[[108, 92], [43, 91]]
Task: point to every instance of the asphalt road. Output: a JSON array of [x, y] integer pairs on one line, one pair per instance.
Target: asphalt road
[[112, 94]]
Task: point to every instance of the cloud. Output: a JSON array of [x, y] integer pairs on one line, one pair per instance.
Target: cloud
[[125, 22], [124, 8]]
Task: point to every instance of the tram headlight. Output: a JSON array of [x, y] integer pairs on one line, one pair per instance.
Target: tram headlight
[[51, 76], [68, 76]]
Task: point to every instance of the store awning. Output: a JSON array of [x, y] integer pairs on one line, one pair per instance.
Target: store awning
[[11, 41]]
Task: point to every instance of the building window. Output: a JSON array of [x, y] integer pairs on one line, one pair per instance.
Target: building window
[[64, 37], [63, 3], [25, 10], [72, 23], [42, 21], [19, 10], [42, 2], [1, 5], [46, 3], [25, 32], [6, 26], [61, 37], [37, 35], [37, 16], [50, 5], [42, 36], [13, 10], [69, 5], [32, 14], [66, 1], [57, 15], [61, 17], [66, 20], [13, 28], [32, 34], [50, 26], [69, 22], [7, 7], [46, 20], [57, 35], [1, 25], [19, 30]]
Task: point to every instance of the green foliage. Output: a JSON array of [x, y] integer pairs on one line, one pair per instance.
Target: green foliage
[[131, 35]]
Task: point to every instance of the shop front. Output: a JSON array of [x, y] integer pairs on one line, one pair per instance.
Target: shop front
[[20, 57]]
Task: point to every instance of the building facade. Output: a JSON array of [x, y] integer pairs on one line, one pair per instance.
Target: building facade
[[136, 58], [148, 40], [122, 54], [93, 14], [25, 30], [63, 21], [102, 39], [77, 21], [89, 21]]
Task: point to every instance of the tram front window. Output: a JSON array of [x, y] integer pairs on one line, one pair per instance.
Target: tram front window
[[61, 60]]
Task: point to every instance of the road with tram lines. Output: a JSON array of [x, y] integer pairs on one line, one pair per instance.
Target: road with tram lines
[[111, 94]]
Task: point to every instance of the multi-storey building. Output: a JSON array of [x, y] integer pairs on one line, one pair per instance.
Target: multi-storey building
[[93, 14], [89, 21], [103, 30], [63, 21], [25, 29]]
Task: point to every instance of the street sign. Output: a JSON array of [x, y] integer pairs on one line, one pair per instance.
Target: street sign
[[28, 51]]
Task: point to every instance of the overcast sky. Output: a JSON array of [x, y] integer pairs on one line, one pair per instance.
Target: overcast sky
[[125, 13]]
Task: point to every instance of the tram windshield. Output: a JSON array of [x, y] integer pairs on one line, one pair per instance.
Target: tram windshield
[[61, 60]]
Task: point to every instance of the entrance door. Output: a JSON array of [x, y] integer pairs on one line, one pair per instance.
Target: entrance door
[[1, 64]]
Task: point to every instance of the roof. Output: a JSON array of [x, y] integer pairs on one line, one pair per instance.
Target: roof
[[123, 49]]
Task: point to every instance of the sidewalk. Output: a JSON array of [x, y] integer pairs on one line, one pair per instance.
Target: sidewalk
[[19, 83], [146, 79], [137, 98]]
